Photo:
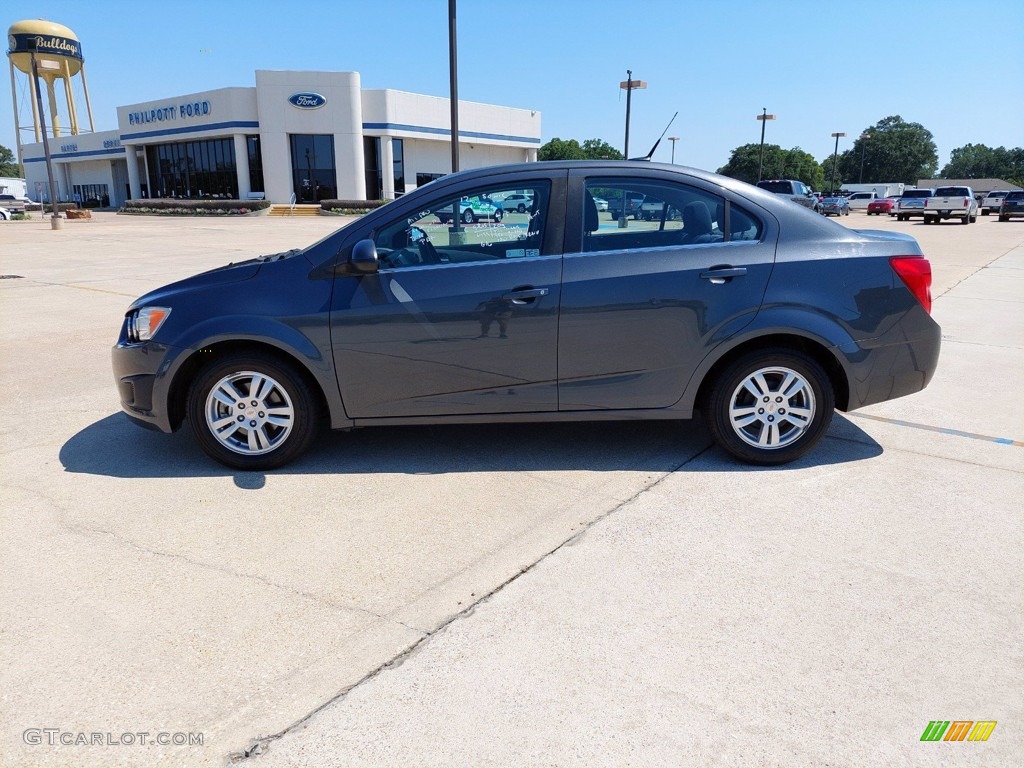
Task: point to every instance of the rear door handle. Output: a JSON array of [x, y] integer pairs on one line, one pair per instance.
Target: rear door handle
[[525, 295], [719, 275]]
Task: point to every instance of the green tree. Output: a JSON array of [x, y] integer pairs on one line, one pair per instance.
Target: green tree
[[8, 167], [892, 150], [596, 149], [570, 149], [977, 161], [779, 163]]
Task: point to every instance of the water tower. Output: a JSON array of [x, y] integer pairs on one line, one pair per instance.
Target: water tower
[[58, 57]]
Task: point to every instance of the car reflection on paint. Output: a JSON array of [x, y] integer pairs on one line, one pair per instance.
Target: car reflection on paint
[[731, 304]]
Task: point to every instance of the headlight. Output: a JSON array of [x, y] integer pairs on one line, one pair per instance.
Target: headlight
[[143, 323]]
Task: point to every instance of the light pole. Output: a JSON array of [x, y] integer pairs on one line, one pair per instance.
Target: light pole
[[763, 117], [629, 85], [835, 159], [863, 148], [55, 222], [453, 76], [673, 139]]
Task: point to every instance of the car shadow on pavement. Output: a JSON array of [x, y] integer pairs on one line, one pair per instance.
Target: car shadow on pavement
[[114, 447]]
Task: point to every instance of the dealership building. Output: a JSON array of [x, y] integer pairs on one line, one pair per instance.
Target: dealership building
[[314, 135]]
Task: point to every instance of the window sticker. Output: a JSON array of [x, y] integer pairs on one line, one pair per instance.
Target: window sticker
[[515, 253]]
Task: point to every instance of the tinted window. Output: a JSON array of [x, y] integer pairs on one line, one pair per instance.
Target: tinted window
[[1015, 195], [917, 193], [659, 214], [778, 187], [951, 192], [474, 226]]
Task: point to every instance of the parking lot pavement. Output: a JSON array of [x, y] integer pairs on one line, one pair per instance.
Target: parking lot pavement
[[702, 613]]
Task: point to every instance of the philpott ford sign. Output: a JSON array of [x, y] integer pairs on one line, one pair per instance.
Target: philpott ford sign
[[307, 100]]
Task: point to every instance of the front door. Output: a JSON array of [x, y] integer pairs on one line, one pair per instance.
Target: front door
[[462, 316]]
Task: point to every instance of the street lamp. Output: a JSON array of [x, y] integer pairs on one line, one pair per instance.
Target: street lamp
[[629, 85], [835, 159], [673, 139], [863, 148], [763, 117]]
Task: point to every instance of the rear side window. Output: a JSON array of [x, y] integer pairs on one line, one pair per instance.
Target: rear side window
[[778, 187], [659, 214]]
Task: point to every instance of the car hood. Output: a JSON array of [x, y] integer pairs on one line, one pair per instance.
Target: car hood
[[231, 273]]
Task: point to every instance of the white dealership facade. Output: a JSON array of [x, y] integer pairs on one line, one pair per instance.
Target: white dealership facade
[[314, 135]]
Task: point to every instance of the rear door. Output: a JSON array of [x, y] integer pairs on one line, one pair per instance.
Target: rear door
[[643, 302]]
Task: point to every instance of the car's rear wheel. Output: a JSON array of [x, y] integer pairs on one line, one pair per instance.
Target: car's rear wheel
[[770, 407], [984, 211], [252, 411], [499, 214], [1003, 218], [468, 217], [965, 220], [521, 208]]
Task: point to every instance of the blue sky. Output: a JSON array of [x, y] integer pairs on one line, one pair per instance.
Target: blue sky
[[820, 66]]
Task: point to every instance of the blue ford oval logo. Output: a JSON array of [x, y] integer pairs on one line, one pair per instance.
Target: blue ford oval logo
[[307, 100]]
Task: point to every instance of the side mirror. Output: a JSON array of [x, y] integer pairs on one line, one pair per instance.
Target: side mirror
[[364, 257]]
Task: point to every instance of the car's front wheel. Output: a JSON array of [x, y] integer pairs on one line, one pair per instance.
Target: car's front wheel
[[770, 407], [252, 411]]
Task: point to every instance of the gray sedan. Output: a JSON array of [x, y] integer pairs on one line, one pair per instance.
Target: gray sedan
[[730, 303]]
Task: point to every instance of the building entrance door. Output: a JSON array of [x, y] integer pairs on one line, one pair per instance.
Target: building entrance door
[[313, 172]]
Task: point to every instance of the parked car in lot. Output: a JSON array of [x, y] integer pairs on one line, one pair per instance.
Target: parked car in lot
[[951, 203], [884, 205], [517, 202], [737, 306], [992, 200], [471, 209], [1012, 205], [911, 203], [859, 201], [602, 205], [633, 203], [5, 215], [835, 206], [794, 190], [12, 203]]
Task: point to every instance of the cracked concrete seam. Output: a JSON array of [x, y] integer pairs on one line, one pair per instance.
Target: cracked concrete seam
[[260, 745]]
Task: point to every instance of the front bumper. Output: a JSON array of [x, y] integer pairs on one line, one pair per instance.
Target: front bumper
[[141, 374]]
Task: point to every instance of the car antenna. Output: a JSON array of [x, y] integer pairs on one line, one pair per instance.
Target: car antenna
[[651, 153]]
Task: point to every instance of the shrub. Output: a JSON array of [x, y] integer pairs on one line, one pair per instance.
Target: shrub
[[171, 207], [351, 206]]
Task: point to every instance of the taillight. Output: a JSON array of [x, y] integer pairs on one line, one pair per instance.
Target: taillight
[[967, 203], [916, 274], [926, 203]]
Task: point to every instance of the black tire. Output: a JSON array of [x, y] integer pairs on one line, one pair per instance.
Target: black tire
[[974, 218], [499, 214], [283, 389], [984, 211], [965, 220], [468, 217], [815, 397], [1003, 218], [521, 208]]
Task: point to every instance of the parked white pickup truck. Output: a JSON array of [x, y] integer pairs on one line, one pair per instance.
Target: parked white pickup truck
[[951, 203]]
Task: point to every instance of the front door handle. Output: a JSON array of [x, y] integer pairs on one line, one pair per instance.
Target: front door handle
[[719, 275], [525, 295]]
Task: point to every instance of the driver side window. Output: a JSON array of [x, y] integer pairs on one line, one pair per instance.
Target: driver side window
[[476, 225]]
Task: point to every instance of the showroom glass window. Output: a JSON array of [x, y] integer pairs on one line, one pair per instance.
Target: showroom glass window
[[255, 163], [623, 214], [193, 169], [470, 227], [313, 175]]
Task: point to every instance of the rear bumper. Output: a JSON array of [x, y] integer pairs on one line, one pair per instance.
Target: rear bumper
[[900, 364]]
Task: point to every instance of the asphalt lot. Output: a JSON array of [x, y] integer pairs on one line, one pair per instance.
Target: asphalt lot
[[417, 584]]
